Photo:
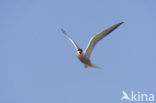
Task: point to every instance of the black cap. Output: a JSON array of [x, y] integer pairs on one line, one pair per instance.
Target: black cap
[[79, 50]]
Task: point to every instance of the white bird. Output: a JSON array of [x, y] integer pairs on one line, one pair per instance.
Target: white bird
[[84, 57]]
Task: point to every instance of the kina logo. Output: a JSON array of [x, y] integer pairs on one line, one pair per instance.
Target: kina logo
[[137, 96]]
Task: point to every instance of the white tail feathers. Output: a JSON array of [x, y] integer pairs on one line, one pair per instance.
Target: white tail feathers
[[92, 65]]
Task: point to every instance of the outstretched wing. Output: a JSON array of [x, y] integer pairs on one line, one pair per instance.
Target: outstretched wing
[[75, 45], [96, 38]]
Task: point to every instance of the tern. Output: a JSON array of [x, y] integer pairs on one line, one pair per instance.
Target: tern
[[84, 56]]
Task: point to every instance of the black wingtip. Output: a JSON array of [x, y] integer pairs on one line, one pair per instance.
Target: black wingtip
[[121, 23], [62, 30]]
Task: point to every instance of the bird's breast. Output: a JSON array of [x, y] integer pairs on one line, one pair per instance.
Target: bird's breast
[[83, 58]]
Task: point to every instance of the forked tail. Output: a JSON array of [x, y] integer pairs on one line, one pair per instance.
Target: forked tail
[[92, 65]]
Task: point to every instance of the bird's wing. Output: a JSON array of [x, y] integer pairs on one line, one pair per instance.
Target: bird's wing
[[75, 45], [94, 40]]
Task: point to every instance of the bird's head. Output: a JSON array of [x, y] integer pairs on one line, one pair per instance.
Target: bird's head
[[80, 51]]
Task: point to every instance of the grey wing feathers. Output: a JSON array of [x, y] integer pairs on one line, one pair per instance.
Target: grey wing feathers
[[94, 40], [75, 45]]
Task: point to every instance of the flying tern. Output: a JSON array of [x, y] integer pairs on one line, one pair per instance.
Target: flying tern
[[84, 56]]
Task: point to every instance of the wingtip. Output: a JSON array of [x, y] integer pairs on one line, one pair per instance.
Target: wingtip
[[62, 30], [121, 22]]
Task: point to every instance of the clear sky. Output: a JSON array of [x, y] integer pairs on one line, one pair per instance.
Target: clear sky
[[39, 65]]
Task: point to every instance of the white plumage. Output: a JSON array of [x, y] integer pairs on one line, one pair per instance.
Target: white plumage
[[84, 56]]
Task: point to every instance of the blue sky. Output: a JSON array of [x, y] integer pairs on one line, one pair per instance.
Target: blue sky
[[39, 65]]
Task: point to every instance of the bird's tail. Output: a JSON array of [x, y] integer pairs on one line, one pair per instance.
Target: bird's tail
[[92, 65]]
